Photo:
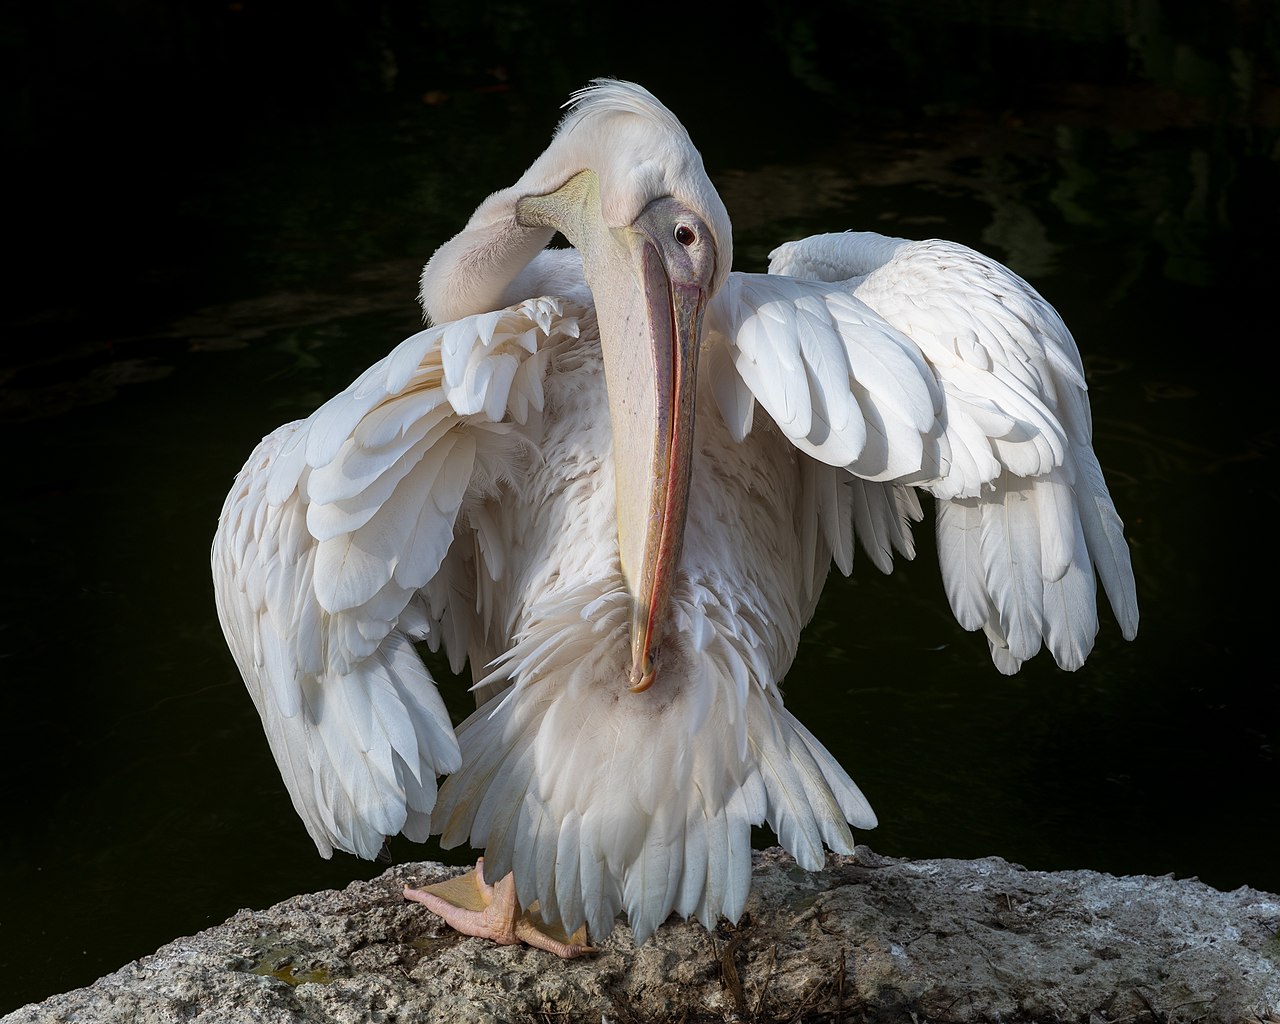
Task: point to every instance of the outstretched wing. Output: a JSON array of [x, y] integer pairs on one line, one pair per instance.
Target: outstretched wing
[[928, 364], [326, 548]]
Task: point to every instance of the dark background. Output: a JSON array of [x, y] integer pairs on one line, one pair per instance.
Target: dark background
[[216, 215]]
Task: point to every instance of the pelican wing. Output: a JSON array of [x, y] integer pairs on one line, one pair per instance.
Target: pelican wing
[[325, 554], [928, 364]]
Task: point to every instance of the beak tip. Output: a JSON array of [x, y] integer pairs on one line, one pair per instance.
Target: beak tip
[[642, 675]]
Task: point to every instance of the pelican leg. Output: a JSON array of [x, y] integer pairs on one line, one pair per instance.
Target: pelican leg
[[470, 905]]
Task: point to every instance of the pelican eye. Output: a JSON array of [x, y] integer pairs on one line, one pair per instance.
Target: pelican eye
[[685, 235]]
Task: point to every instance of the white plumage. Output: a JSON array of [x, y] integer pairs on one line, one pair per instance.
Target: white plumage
[[470, 490]]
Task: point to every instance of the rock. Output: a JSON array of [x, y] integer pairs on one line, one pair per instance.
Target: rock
[[867, 939]]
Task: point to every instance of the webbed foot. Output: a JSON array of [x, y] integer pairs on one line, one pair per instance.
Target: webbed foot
[[470, 905]]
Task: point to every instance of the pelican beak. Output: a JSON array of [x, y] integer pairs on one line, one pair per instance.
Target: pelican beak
[[653, 487], [650, 280]]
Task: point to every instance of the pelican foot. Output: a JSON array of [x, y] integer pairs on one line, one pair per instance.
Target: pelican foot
[[470, 905]]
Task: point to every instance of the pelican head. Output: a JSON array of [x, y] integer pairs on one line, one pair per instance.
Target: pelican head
[[656, 245]]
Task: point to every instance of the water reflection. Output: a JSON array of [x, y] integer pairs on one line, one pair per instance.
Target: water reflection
[[1142, 205]]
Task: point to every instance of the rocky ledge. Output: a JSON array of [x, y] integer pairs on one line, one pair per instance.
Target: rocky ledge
[[867, 939]]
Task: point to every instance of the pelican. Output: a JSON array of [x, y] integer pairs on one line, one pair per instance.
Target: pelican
[[613, 479]]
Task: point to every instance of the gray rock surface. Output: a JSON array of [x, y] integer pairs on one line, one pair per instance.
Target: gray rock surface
[[866, 939]]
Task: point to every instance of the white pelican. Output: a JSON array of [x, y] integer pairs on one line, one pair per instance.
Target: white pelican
[[566, 482]]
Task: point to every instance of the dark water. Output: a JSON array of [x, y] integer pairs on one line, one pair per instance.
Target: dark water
[[217, 242]]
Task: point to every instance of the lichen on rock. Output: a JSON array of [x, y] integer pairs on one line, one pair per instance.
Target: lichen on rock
[[866, 939]]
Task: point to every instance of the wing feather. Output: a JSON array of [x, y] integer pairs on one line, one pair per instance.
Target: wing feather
[[334, 528], [965, 384], [841, 383]]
